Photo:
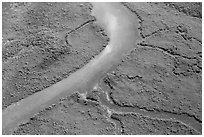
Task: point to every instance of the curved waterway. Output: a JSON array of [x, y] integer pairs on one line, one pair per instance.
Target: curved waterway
[[121, 27]]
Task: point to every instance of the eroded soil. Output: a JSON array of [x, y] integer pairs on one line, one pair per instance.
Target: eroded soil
[[155, 89]]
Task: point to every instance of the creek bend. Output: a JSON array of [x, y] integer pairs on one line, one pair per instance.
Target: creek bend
[[121, 27]]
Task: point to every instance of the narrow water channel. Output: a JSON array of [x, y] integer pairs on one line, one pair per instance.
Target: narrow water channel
[[120, 26], [104, 98]]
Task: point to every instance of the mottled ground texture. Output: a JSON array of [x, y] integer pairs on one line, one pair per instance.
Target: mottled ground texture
[[156, 89], [44, 43]]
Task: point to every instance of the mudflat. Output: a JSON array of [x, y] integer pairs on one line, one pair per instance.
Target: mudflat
[[153, 85]]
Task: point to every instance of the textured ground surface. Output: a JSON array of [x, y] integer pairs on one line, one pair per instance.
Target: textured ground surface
[[44, 43], [156, 89]]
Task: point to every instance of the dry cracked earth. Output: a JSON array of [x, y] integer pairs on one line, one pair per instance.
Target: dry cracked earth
[[155, 89]]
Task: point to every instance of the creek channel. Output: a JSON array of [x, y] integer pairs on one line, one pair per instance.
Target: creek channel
[[121, 27]]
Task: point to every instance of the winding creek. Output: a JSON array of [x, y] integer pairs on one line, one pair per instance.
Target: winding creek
[[119, 23], [121, 27], [183, 118]]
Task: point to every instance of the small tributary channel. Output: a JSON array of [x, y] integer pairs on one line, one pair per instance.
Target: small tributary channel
[[121, 27]]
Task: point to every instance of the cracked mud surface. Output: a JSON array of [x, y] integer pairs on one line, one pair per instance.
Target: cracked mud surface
[[155, 89]]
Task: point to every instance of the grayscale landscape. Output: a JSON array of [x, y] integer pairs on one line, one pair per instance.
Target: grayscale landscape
[[102, 68]]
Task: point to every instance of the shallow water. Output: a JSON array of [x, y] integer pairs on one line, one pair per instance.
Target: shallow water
[[120, 26]]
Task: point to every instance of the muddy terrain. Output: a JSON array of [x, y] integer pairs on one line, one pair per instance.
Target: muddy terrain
[[154, 89], [44, 43]]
